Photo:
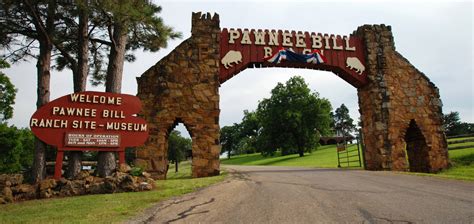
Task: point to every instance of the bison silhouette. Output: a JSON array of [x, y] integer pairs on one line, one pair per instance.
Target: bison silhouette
[[231, 57], [355, 64]]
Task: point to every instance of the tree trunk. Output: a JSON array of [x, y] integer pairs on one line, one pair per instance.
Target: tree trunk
[[43, 75], [113, 83], [176, 166], [75, 164], [80, 80], [300, 150]]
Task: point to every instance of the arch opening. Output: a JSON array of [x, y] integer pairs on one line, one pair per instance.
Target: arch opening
[[416, 149], [179, 150]]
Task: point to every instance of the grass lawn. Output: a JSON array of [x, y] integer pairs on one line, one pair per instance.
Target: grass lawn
[[107, 208], [462, 144], [326, 157], [463, 164]]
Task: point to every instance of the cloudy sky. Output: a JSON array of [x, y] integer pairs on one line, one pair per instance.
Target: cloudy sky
[[435, 36]]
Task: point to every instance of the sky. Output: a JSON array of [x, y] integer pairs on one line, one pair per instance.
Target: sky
[[435, 36]]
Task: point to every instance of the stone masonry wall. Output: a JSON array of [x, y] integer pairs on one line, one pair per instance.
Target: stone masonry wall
[[397, 93], [184, 87]]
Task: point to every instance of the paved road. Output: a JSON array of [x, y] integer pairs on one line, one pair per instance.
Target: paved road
[[263, 194]]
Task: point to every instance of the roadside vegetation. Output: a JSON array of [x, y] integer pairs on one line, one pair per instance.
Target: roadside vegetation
[[104, 208]]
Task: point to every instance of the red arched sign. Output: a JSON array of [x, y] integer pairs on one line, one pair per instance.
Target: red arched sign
[[241, 49]]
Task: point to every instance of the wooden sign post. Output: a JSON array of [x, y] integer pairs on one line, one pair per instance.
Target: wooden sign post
[[90, 121]]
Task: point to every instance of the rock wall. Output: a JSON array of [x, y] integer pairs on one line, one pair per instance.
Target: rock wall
[[400, 107], [184, 87], [13, 188]]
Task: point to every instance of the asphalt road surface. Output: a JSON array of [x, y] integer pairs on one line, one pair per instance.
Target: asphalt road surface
[[265, 194]]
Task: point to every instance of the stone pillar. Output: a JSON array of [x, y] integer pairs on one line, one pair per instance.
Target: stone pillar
[[396, 95], [184, 87], [206, 147]]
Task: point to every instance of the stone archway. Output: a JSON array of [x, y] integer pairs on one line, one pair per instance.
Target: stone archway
[[185, 84], [416, 149]]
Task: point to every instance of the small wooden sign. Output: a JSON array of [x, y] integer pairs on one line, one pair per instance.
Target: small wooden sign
[[92, 140], [341, 148]]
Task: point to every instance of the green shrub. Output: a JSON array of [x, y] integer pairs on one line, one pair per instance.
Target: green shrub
[[16, 149]]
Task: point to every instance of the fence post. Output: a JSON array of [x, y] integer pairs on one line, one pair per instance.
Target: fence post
[[361, 136]]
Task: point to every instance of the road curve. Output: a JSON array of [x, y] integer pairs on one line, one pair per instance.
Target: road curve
[[268, 194]]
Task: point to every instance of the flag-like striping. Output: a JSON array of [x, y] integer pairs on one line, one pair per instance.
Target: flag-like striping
[[314, 57]]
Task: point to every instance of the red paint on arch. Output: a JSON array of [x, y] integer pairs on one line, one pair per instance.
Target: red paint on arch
[[253, 55]]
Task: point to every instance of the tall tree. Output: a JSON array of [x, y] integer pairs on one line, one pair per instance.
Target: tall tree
[[72, 41], [177, 147], [249, 129], [453, 125], [229, 138], [343, 122], [7, 94], [293, 118], [130, 25], [28, 25]]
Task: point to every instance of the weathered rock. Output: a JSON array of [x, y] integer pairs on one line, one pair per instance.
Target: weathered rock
[[7, 194], [97, 188], [144, 186], [90, 179], [128, 184], [47, 184], [124, 168], [71, 188], [24, 192], [110, 185], [62, 181], [82, 175], [46, 193], [184, 87], [48, 188], [397, 97], [145, 174], [22, 188], [7, 180]]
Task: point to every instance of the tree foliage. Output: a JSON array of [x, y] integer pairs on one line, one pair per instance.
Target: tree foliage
[[343, 123], [453, 125], [229, 138], [7, 94], [177, 147], [16, 149], [122, 26], [292, 119]]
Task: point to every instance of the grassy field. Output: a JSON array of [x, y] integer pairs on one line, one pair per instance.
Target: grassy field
[[325, 157], [463, 164], [462, 161], [459, 139], [107, 208]]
